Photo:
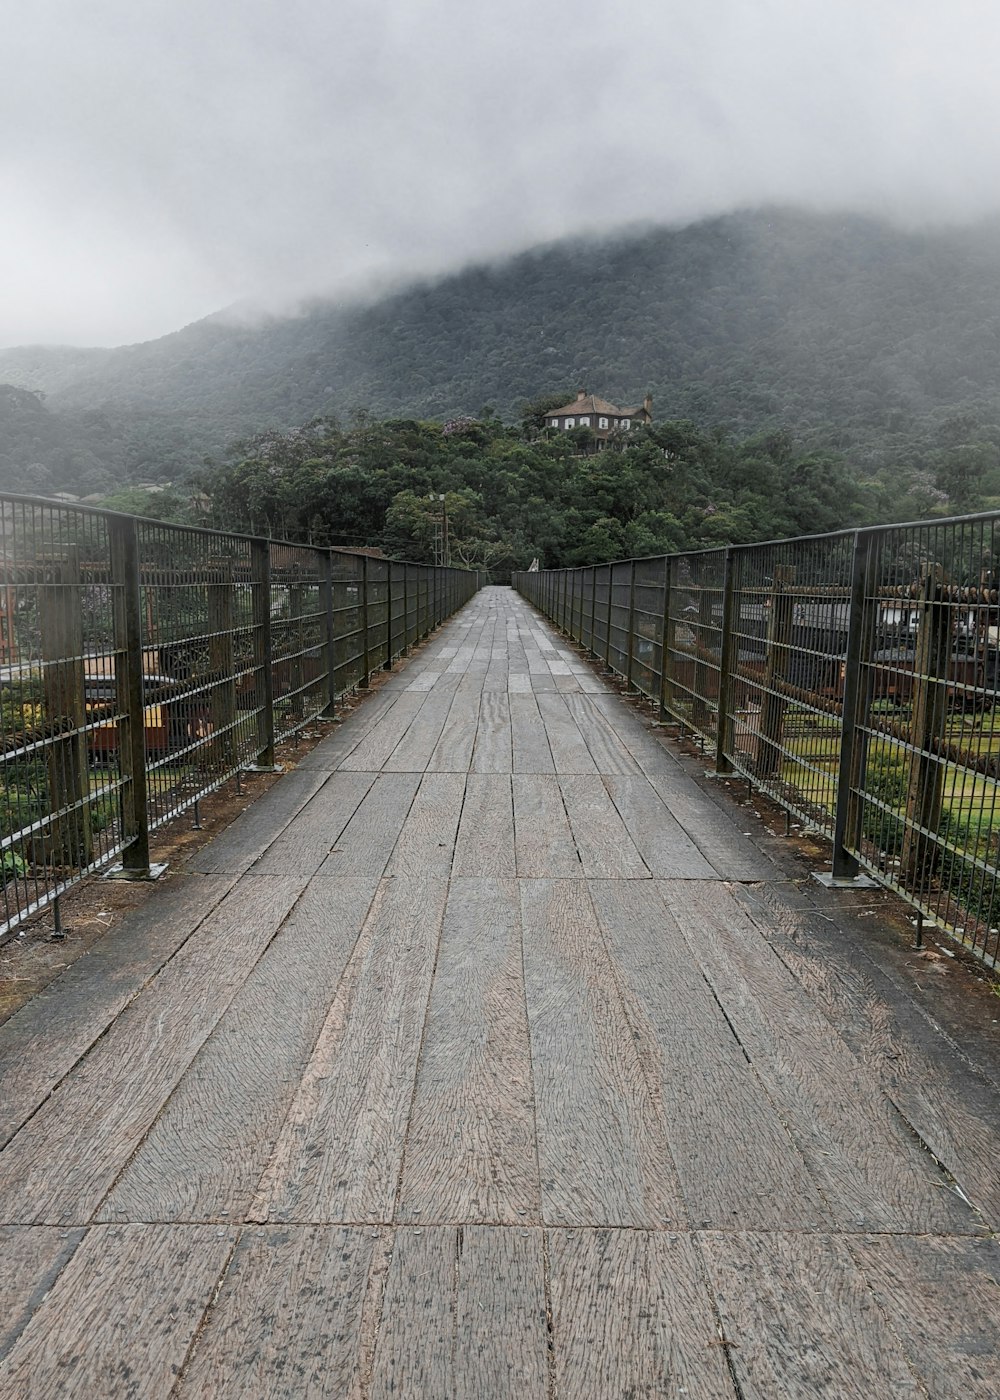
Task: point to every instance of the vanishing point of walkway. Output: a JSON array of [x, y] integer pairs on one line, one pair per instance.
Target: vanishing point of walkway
[[485, 1057]]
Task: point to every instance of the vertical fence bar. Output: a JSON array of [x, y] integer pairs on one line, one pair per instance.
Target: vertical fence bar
[[365, 651], [773, 701], [331, 635], [929, 720], [260, 581], [727, 658], [221, 661], [124, 548], [630, 630], [856, 700], [666, 641]]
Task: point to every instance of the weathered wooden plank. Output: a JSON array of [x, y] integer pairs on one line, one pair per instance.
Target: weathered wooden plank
[[531, 752], [339, 1154], [464, 1316], [801, 1320], [453, 751], [31, 1259], [872, 1173], [543, 838], [426, 844], [122, 1314], [607, 851], [60, 1165], [950, 1103], [606, 748], [204, 1156], [723, 844], [632, 1316], [288, 1318], [501, 1350], [42, 1042], [367, 841], [485, 844], [568, 746], [942, 1297], [331, 751], [414, 1354], [735, 1159], [470, 1149], [249, 836], [602, 1146], [492, 753], [304, 844], [375, 748], [664, 845], [413, 752]]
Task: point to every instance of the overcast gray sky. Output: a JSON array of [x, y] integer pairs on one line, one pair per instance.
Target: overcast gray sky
[[163, 158]]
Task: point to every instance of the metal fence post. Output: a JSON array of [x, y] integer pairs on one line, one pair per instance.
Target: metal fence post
[[929, 720], [331, 643], [855, 704], [387, 666], [727, 657], [666, 640], [593, 608], [124, 545], [365, 654], [263, 651], [60, 622], [630, 630], [222, 661], [767, 760]]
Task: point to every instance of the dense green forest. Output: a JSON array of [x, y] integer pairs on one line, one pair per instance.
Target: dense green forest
[[513, 494], [855, 345]]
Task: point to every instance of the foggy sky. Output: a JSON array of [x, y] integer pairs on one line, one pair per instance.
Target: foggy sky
[[163, 158]]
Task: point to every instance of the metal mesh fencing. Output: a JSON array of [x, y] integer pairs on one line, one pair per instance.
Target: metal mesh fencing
[[143, 664], [853, 677]]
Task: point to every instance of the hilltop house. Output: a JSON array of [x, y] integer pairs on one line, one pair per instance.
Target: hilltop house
[[601, 417]]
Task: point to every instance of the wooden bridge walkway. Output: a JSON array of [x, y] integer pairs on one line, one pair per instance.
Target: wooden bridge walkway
[[485, 1057]]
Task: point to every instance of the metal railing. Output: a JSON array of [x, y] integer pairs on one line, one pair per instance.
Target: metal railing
[[853, 677], [143, 664]]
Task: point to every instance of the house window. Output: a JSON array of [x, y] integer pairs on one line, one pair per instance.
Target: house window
[[626, 422], [602, 422], [584, 422], [569, 422]]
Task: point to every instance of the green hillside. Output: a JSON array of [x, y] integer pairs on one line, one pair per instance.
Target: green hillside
[[850, 333]]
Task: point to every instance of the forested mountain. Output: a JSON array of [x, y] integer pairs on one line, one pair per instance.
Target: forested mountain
[[849, 333]]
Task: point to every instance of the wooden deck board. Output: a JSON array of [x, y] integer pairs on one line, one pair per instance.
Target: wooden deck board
[[60, 1165], [602, 1145], [727, 1139], [470, 1151], [204, 1156], [288, 1318], [338, 1157], [122, 1314], [802, 1320], [631, 1315]]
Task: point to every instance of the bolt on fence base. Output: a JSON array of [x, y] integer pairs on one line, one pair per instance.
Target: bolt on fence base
[[844, 882], [153, 871]]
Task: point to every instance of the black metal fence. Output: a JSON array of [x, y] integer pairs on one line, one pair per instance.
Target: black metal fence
[[143, 664], [853, 677]]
